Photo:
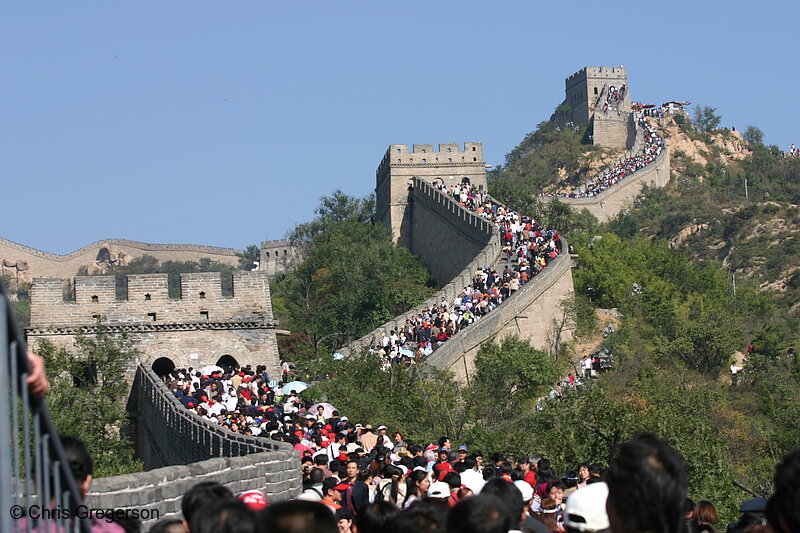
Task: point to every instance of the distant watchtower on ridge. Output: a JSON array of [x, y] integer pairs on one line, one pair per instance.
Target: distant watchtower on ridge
[[448, 165], [599, 97]]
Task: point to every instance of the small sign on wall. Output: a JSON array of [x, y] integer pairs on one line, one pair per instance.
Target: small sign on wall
[[194, 356]]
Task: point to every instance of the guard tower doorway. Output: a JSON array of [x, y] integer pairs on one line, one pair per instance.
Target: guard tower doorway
[[227, 362], [163, 366]]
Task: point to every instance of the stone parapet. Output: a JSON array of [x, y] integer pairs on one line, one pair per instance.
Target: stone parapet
[[148, 300], [464, 231], [180, 449], [529, 313], [159, 492], [455, 243]]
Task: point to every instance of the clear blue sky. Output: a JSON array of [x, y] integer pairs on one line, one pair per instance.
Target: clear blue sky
[[222, 123]]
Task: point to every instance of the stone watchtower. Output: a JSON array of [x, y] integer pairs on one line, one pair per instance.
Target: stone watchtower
[[201, 327], [449, 165], [587, 92]]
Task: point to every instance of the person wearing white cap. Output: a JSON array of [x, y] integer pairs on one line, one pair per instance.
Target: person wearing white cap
[[586, 510], [439, 490], [528, 522]]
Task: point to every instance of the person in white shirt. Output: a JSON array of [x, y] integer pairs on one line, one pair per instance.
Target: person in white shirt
[[471, 478]]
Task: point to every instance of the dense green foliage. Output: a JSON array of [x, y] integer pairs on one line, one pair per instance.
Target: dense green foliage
[[352, 278], [686, 323], [756, 237], [534, 165], [421, 401], [688, 310], [87, 399], [426, 403]]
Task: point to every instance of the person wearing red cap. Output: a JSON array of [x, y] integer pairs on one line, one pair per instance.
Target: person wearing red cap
[[254, 499], [331, 489]]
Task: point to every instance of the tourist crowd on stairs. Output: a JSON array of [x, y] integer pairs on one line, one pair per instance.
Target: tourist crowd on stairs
[[653, 146], [527, 249]]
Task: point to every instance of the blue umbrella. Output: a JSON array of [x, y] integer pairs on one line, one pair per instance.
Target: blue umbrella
[[296, 386]]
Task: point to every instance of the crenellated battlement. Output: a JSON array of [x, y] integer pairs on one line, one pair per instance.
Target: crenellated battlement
[[148, 300], [276, 243], [595, 72], [425, 155]]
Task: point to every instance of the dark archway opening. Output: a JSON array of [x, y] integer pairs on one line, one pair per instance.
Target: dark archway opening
[[163, 366], [465, 181], [227, 362]]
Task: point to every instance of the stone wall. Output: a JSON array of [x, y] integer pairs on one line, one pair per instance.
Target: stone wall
[[613, 131], [620, 196], [104, 253], [180, 449], [399, 166], [444, 235], [192, 331], [586, 87], [162, 489], [461, 227], [530, 313]]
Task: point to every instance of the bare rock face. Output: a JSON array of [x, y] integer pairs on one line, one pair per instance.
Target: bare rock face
[[108, 256], [16, 272]]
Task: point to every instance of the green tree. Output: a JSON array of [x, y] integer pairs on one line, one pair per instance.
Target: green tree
[[352, 279], [514, 371], [338, 207], [754, 135], [422, 401], [88, 395], [249, 257], [706, 118], [624, 224]]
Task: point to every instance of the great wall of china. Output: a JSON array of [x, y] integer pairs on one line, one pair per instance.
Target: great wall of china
[[415, 210]]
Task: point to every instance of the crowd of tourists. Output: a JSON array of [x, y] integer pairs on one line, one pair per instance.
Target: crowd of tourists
[[365, 480], [380, 484], [653, 146], [527, 249], [613, 98]]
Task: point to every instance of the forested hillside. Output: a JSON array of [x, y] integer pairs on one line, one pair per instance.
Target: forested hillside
[[715, 269]]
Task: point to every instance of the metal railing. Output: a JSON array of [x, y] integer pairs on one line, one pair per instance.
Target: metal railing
[[37, 489]]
